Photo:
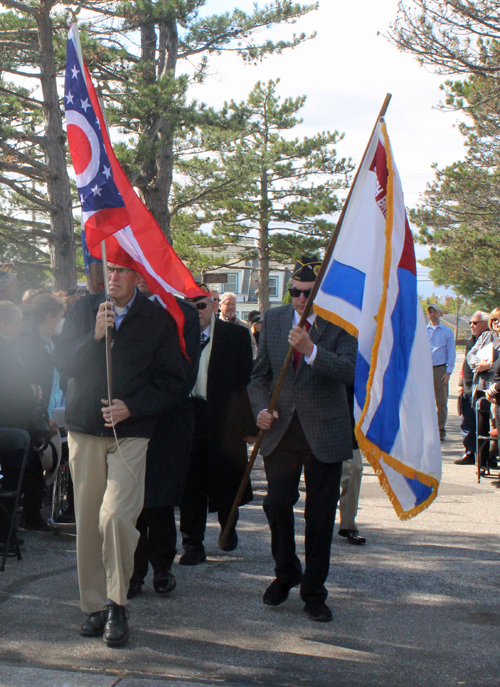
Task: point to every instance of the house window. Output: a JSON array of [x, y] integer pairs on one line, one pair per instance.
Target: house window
[[273, 287], [232, 283]]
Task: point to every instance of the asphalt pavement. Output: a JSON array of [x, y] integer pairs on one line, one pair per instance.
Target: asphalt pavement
[[417, 606]]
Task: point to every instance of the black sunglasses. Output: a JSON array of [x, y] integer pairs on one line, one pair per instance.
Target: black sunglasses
[[296, 293], [472, 322], [201, 306]]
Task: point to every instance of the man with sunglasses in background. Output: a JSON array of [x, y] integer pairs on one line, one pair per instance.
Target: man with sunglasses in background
[[478, 324], [310, 429], [108, 443], [223, 424]]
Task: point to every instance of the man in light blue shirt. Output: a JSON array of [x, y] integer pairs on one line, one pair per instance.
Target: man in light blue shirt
[[442, 343]]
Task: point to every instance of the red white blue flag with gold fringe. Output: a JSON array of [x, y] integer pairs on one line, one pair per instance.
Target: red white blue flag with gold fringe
[[370, 289]]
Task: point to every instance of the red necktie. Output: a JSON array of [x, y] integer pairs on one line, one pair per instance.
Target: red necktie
[[297, 355]]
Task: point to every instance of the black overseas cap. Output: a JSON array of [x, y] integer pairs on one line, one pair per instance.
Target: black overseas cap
[[306, 268]]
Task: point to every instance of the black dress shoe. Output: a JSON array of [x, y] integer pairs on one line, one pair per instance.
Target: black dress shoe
[[94, 624], [277, 592], [193, 555], [134, 588], [466, 459], [231, 541], [353, 537], [164, 583], [116, 630], [319, 611]]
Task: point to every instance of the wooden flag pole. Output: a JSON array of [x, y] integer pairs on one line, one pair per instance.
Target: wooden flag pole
[[281, 379], [109, 330]]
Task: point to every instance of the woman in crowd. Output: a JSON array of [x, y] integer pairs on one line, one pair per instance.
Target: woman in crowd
[[482, 358]]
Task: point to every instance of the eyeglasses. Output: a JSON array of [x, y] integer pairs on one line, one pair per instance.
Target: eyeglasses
[[296, 293], [473, 323], [201, 306], [119, 270]]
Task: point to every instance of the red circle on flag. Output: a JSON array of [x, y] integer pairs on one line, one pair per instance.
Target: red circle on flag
[[80, 148]]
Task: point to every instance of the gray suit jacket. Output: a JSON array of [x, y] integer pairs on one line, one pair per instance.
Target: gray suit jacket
[[316, 392]]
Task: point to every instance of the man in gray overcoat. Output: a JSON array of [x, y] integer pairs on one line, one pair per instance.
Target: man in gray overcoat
[[310, 429]]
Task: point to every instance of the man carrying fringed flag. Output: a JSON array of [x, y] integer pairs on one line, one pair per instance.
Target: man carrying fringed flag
[[109, 429], [370, 289]]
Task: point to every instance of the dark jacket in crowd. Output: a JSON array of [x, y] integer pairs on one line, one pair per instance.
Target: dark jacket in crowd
[[16, 392], [168, 450], [37, 360], [467, 374], [147, 367], [229, 415]]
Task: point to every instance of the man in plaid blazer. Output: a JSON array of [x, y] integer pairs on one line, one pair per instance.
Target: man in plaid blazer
[[310, 428]]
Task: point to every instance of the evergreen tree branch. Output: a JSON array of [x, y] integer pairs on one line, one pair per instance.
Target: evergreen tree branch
[[28, 196], [21, 7]]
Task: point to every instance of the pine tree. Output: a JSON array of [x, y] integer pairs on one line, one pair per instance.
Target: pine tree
[[146, 91], [33, 166], [279, 188]]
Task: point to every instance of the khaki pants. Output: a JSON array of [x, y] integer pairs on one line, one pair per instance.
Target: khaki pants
[[109, 496], [441, 394], [350, 486]]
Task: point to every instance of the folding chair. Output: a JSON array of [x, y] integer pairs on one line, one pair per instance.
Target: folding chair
[[14, 451], [59, 495]]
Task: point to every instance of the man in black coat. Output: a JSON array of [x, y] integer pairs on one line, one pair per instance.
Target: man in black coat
[[223, 422], [167, 464], [108, 443]]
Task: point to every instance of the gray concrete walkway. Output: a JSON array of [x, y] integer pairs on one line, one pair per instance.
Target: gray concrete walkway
[[418, 605]]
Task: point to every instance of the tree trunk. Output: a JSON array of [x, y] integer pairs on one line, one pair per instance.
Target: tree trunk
[[262, 244], [157, 196], [62, 243]]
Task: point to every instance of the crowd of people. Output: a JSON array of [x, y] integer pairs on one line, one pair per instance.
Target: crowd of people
[[176, 429], [479, 384]]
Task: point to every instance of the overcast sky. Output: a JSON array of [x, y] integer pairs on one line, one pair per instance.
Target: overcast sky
[[345, 73]]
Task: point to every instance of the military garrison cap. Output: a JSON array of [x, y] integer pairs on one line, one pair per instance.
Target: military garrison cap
[[306, 268]]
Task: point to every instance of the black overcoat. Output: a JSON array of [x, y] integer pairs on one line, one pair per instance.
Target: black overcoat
[[229, 414], [169, 447], [148, 373]]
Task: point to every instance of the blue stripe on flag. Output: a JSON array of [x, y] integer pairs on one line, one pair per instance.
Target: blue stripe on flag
[[345, 282], [385, 422], [421, 491], [361, 379]]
